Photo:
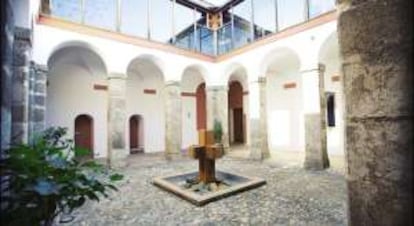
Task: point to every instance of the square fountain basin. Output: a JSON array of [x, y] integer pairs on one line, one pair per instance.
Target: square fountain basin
[[237, 183]]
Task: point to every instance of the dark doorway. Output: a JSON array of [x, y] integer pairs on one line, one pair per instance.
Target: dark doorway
[[238, 125], [84, 134], [201, 106], [135, 134], [236, 116], [330, 107]]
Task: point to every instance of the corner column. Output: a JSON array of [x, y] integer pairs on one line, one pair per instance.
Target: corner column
[[376, 43], [37, 99], [316, 156], [172, 97], [117, 152], [217, 109], [259, 148], [20, 99], [7, 41]]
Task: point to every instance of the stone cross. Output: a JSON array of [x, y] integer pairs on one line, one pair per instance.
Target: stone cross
[[206, 152]]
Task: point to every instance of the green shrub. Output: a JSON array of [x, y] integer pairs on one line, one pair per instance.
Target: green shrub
[[218, 131], [43, 179]]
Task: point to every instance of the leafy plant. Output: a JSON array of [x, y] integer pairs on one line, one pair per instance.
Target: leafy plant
[[218, 131], [43, 179]]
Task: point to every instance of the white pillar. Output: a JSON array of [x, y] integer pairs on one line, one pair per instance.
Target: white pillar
[[172, 95], [259, 148], [316, 156], [117, 151]]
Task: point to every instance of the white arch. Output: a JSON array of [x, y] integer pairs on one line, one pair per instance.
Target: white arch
[[80, 44], [276, 55]]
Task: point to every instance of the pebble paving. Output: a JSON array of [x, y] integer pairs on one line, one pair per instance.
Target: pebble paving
[[292, 196]]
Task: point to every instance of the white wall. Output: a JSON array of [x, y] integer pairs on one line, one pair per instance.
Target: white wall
[[149, 106], [70, 93], [284, 112], [117, 56], [335, 135], [190, 81]]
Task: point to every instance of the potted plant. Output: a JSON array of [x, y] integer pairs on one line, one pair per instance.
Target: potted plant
[[42, 180], [218, 137]]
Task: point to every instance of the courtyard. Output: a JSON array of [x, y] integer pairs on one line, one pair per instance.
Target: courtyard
[[292, 195]]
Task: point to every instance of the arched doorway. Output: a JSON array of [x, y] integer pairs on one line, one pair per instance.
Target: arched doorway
[[201, 106], [84, 134], [236, 114], [135, 134]]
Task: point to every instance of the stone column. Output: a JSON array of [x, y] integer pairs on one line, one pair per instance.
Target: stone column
[[172, 95], [259, 148], [217, 109], [117, 152], [20, 100], [7, 42], [376, 41], [37, 99], [316, 156]]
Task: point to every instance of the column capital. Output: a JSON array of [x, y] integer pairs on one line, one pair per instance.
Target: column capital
[[117, 76], [172, 83], [39, 67], [217, 88], [318, 68]]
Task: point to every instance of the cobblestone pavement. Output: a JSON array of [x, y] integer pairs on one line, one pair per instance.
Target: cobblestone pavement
[[292, 196]]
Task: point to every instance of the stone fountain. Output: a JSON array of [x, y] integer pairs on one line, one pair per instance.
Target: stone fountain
[[207, 184]]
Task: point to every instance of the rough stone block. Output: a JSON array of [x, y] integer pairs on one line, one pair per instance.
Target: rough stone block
[[316, 157], [379, 153], [376, 90]]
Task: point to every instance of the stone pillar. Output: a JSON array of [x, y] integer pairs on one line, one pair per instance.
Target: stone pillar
[[20, 100], [7, 42], [217, 109], [117, 152], [172, 95], [37, 99], [376, 41], [316, 156], [259, 148]]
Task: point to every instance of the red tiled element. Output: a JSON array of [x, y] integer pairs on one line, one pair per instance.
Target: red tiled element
[[187, 94], [336, 78], [150, 91], [235, 95], [100, 87], [290, 85]]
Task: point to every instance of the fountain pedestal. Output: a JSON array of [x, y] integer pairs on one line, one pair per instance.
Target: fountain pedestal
[[206, 152]]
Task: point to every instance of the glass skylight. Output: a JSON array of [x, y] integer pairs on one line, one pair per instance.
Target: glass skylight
[[210, 3]]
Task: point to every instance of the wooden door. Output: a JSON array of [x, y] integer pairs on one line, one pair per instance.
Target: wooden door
[[133, 133], [238, 125], [84, 133]]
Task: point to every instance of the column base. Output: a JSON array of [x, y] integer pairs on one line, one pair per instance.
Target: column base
[[316, 156], [118, 158]]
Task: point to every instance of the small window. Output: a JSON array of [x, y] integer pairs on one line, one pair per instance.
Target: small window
[[330, 107]]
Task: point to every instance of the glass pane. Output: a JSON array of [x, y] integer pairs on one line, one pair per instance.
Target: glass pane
[[264, 16], [134, 20], [206, 40], [67, 9], [161, 20], [290, 12], [242, 17], [184, 26], [224, 39], [101, 13], [318, 7]]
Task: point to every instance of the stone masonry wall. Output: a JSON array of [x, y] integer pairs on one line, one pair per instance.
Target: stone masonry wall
[[7, 40], [376, 42], [20, 98]]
